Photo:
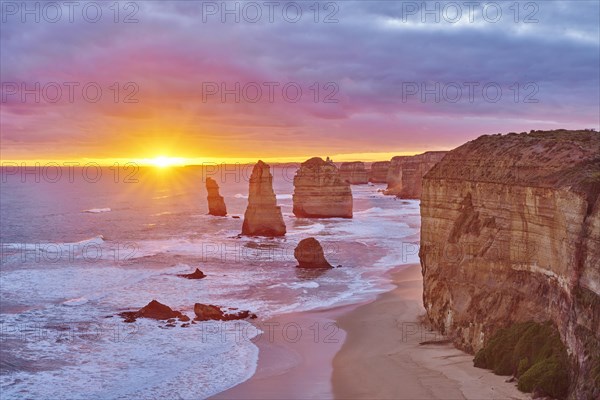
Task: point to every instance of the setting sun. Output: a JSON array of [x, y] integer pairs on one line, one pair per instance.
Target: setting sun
[[164, 162]]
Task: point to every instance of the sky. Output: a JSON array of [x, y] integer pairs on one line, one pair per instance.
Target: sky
[[239, 80]]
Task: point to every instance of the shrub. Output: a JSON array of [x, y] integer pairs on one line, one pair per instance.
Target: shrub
[[533, 352]]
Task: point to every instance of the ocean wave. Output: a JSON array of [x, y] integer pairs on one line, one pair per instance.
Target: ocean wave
[[278, 196], [50, 246], [296, 285], [75, 302], [97, 210]]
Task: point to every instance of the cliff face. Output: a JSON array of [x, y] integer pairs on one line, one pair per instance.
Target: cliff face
[[354, 173], [263, 216], [320, 192], [405, 173], [216, 203], [510, 233], [379, 172]]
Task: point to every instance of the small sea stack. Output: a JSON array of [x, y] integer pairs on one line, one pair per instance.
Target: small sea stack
[[320, 191], [263, 217], [216, 203], [309, 254]]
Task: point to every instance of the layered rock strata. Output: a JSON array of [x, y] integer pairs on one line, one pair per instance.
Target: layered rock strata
[[354, 173], [216, 203], [379, 172], [320, 192], [263, 217], [510, 232], [405, 174]]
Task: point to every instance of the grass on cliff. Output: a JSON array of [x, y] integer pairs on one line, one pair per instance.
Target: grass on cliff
[[533, 353]]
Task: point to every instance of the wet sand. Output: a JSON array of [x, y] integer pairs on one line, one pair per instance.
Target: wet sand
[[368, 351], [295, 353]]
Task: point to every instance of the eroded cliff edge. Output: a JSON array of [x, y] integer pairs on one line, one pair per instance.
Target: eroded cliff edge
[[510, 232]]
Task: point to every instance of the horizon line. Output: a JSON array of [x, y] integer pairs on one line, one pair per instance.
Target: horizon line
[[175, 161]]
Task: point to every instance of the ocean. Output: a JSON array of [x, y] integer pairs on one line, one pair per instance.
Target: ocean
[[81, 245]]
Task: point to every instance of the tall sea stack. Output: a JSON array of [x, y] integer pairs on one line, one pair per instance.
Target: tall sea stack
[[263, 216], [320, 192], [510, 233], [216, 203]]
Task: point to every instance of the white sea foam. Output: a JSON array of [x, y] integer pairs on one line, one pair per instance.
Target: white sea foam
[[76, 301], [296, 285], [135, 362], [278, 196], [159, 363], [97, 210]]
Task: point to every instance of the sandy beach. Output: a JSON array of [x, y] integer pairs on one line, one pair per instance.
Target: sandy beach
[[295, 357], [382, 358], [375, 354]]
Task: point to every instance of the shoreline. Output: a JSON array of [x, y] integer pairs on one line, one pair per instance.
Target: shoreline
[[383, 350], [366, 350], [295, 356]]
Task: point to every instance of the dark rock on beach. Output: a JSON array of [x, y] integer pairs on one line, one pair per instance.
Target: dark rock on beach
[[209, 312], [153, 310], [197, 274]]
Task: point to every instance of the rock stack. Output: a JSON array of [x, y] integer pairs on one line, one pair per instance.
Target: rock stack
[[263, 216], [216, 203], [405, 174], [354, 173], [309, 254], [379, 172], [320, 192], [510, 233]]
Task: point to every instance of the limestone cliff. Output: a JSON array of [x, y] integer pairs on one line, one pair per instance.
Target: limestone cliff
[[320, 192], [405, 173], [510, 232], [263, 216], [379, 172], [354, 173], [216, 203]]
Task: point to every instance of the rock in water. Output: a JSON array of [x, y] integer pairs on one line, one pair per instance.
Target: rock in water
[[510, 232], [263, 216], [154, 310], [379, 171], [354, 173], [197, 274], [309, 254], [208, 312], [405, 173], [320, 192], [216, 203]]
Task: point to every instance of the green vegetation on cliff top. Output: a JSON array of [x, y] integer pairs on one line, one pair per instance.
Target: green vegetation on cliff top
[[533, 353]]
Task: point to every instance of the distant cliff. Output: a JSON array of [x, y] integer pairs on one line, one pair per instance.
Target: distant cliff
[[379, 172], [405, 173], [510, 232], [354, 173]]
